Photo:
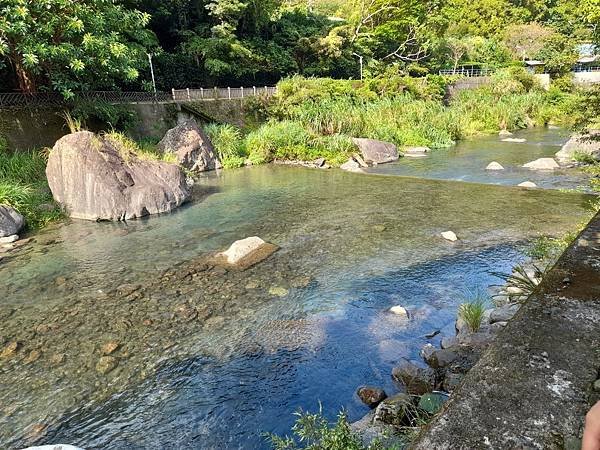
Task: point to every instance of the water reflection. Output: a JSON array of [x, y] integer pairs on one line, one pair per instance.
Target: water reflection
[[210, 359]]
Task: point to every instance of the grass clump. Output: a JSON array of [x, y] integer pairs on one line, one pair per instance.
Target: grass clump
[[24, 187], [145, 150], [228, 142], [472, 313]]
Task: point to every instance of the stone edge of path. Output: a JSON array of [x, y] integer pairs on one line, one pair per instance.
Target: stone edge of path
[[533, 385]]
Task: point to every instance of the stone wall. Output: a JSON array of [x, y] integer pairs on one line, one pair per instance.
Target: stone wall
[[535, 383], [29, 128]]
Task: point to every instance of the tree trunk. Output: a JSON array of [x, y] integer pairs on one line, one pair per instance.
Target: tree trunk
[[26, 82]]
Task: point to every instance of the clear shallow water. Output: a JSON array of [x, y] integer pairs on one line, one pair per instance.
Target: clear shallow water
[[351, 247], [467, 160]]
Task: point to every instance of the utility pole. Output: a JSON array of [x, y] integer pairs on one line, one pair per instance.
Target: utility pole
[[360, 60], [152, 73]]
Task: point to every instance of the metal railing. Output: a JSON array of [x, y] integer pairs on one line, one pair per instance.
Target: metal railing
[[467, 72], [183, 95], [46, 99], [586, 69]]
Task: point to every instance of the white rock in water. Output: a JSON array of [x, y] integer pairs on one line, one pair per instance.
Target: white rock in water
[[518, 140], [450, 236], [351, 165], [9, 239], [542, 164], [248, 252], [416, 150], [399, 311], [504, 133], [527, 184], [494, 166]]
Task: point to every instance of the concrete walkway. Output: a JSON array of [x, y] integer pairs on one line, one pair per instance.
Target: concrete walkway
[[534, 385]]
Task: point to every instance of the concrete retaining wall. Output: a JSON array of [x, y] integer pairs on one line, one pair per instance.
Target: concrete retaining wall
[[29, 128], [534, 385]]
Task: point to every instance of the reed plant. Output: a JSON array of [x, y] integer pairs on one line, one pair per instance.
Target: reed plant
[[228, 143], [472, 312], [23, 186]]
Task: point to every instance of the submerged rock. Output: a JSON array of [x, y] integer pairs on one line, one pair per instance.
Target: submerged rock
[[247, 252], [106, 364], [11, 221], [371, 396], [588, 144], [515, 140], [542, 164], [432, 402], [278, 291], [450, 236], [97, 178], [494, 166], [54, 447], [377, 152], [191, 146], [10, 349], [416, 380], [527, 184], [395, 410]]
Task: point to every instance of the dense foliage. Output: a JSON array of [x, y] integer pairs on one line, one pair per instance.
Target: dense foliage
[[68, 45], [310, 118]]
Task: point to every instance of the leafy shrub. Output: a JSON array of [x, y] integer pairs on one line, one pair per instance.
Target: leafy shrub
[[228, 143], [314, 432]]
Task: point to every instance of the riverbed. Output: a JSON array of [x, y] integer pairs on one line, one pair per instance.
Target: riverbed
[[467, 160], [202, 357]]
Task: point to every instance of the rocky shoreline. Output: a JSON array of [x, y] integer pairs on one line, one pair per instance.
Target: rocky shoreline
[[426, 385]]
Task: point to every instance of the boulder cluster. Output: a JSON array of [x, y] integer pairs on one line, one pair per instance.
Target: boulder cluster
[[98, 177]]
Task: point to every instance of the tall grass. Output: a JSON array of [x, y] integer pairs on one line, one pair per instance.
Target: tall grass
[[472, 311], [406, 112], [228, 144], [23, 186]]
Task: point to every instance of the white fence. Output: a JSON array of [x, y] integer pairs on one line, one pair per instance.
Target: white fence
[[467, 72], [182, 95]]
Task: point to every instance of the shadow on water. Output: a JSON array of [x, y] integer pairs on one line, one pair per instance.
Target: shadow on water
[[211, 403]]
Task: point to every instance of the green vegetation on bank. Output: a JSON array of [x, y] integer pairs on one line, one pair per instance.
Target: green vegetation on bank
[[23, 186], [310, 118]]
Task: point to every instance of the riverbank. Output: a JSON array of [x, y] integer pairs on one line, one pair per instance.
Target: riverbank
[[539, 377]]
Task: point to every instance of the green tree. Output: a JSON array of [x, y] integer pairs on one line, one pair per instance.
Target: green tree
[[68, 45]]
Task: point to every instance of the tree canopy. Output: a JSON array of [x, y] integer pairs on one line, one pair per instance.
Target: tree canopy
[[71, 45]]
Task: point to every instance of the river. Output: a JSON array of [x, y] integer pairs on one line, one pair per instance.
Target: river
[[212, 359]]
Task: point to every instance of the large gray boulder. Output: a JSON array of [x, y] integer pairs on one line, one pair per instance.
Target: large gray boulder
[[97, 178], [191, 146], [11, 221], [377, 152], [588, 144]]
